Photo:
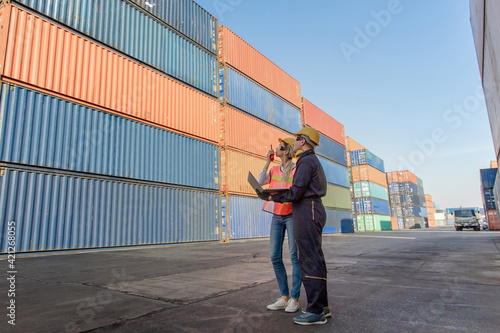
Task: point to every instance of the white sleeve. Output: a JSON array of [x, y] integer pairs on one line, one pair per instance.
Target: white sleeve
[[264, 178]]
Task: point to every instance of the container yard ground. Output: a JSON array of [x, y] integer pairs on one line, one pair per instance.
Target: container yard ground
[[436, 280]]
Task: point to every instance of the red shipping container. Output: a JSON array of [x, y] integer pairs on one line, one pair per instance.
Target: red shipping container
[[492, 218], [315, 117]]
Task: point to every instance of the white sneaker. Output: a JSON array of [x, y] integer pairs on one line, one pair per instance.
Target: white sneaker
[[293, 305], [280, 304]]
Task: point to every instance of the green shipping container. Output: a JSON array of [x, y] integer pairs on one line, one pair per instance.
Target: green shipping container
[[337, 197], [382, 222], [360, 220]]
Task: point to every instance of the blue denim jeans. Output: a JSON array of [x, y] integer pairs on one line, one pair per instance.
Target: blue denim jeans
[[279, 225]]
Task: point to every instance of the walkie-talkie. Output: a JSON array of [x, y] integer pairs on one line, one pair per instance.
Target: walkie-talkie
[[271, 157]]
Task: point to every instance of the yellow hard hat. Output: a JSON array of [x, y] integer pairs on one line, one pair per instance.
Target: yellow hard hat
[[288, 141], [311, 133]]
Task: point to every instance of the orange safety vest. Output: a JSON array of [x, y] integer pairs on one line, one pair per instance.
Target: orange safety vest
[[276, 207]]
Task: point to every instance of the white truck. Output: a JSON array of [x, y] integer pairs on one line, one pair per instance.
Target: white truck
[[466, 218]]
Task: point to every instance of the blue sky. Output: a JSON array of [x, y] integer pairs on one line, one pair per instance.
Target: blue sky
[[402, 76]]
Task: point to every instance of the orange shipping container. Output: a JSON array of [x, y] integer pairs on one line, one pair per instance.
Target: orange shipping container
[[368, 173], [401, 176], [44, 56], [249, 134], [242, 56], [394, 223], [428, 197], [324, 123], [352, 145], [493, 164], [234, 171]]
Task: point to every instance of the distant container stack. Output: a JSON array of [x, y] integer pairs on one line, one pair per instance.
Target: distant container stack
[[99, 119], [407, 199], [431, 211], [488, 178], [370, 199]]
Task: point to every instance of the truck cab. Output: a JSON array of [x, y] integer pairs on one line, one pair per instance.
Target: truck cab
[[466, 218]]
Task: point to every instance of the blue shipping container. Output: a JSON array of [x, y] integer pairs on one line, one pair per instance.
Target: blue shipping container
[[488, 177], [124, 27], [248, 96], [37, 129], [338, 221], [489, 198], [55, 211], [247, 219], [331, 150], [188, 17], [335, 173], [372, 206], [363, 156]]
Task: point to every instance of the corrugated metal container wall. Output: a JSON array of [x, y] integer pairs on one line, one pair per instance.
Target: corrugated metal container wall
[[321, 121], [489, 198], [40, 130], [394, 223], [335, 173], [70, 211], [247, 219], [242, 56], [420, 183], [248, 96], [401, 176], [141, 37], [337, 197], [247, 133], [491, 77], [488, 177], [64, 63], [188, 17], [382, 222], [338, 221], [368, 173], [477, 23], [494, 164], [351, 144], [237, 166], [331, 150]]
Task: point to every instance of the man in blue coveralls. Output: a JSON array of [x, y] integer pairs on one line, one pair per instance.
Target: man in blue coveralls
[[309, 218]]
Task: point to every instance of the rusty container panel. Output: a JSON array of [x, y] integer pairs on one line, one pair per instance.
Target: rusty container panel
[[237, 165], [63, 210], [324, 123], [55, 60], [249, 134], [368, 173], [128, 29], [234, 51]]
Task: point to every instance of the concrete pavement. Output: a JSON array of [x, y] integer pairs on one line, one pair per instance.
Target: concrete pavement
[[434, 280]]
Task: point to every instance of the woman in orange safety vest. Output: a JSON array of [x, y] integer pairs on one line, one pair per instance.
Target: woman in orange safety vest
[[281, 176]]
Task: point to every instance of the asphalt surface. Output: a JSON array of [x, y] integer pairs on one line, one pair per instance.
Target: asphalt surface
[[434, 280]]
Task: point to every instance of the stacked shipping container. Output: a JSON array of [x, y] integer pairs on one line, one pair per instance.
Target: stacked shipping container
[[332, 155], [407, 199], [431, 211], [488, 178], [99, 122], [259, 104], [369, 189]]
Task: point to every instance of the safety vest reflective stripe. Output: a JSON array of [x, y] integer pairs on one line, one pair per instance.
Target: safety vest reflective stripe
[[276, 207]]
